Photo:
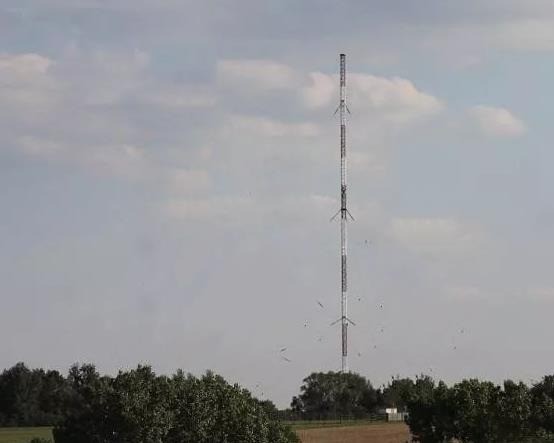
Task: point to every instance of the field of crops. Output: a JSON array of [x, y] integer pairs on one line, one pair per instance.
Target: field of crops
[[362, 433], [23, 435]]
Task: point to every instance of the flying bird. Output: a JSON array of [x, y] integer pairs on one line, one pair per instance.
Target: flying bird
[[286, 359], [320, 304], [283, 349]]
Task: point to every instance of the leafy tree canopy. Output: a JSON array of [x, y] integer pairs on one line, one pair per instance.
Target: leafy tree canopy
[[332, 394]]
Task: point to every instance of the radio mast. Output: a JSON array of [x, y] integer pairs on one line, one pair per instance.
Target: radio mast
[[344, 214]]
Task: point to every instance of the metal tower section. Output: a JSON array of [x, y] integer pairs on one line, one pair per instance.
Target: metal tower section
[[344, 213]]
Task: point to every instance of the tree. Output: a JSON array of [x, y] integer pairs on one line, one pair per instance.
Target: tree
[[397, 393], [88, 417], [18, 396], [542, 406], [474, 411], [269, 408], [139, 404], [475, 403], [139, 407], [31, 397], [52, 398], [210, 409], [332, 394], [514, 412], [428, 407]]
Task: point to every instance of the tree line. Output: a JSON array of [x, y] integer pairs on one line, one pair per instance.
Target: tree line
[[140, 406], [481, 411], [332, 395], [471, 411], [137, 406]]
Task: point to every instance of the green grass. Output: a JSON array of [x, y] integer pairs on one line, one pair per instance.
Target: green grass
[[318, 424], [23, 435]]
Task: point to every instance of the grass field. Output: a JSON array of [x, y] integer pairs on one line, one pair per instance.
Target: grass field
[[23, 435], [309, 432], [359, 433]]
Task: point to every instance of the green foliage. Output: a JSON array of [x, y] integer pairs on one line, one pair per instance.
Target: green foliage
[[88, 415], [31, 397], [333, 394], [209, 409], [40, 440], [139, 407], [430, 412], [474, 411], [475, 405], [542, 398], [139, 404], [398, 392], [514, 412]]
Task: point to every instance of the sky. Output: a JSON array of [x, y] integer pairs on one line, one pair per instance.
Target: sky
[[168, 170]]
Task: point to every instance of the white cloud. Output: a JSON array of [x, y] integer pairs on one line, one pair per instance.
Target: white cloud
[[121, 160], [80, 89], [434, 236], [497, 122], [256, 74], [36, 147], [236, 209], [396, 97], [518, 32], [189, 180], [267, 127], [321, 91], [109, 77], [26, 81], [541, 294], [367, 162], [221, 209], [20, 66], [179, 98], [393, 98], [524, 35]]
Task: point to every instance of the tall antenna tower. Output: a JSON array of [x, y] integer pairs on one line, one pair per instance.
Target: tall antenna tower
[[344, 214]]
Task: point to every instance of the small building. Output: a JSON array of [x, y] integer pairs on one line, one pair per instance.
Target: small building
[[396, 416]]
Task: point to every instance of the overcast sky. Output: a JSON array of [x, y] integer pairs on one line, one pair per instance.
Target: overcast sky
[[168, 170]]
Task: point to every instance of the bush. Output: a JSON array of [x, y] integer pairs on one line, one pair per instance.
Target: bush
[[209, 409], [481, 412], [139, 407]]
